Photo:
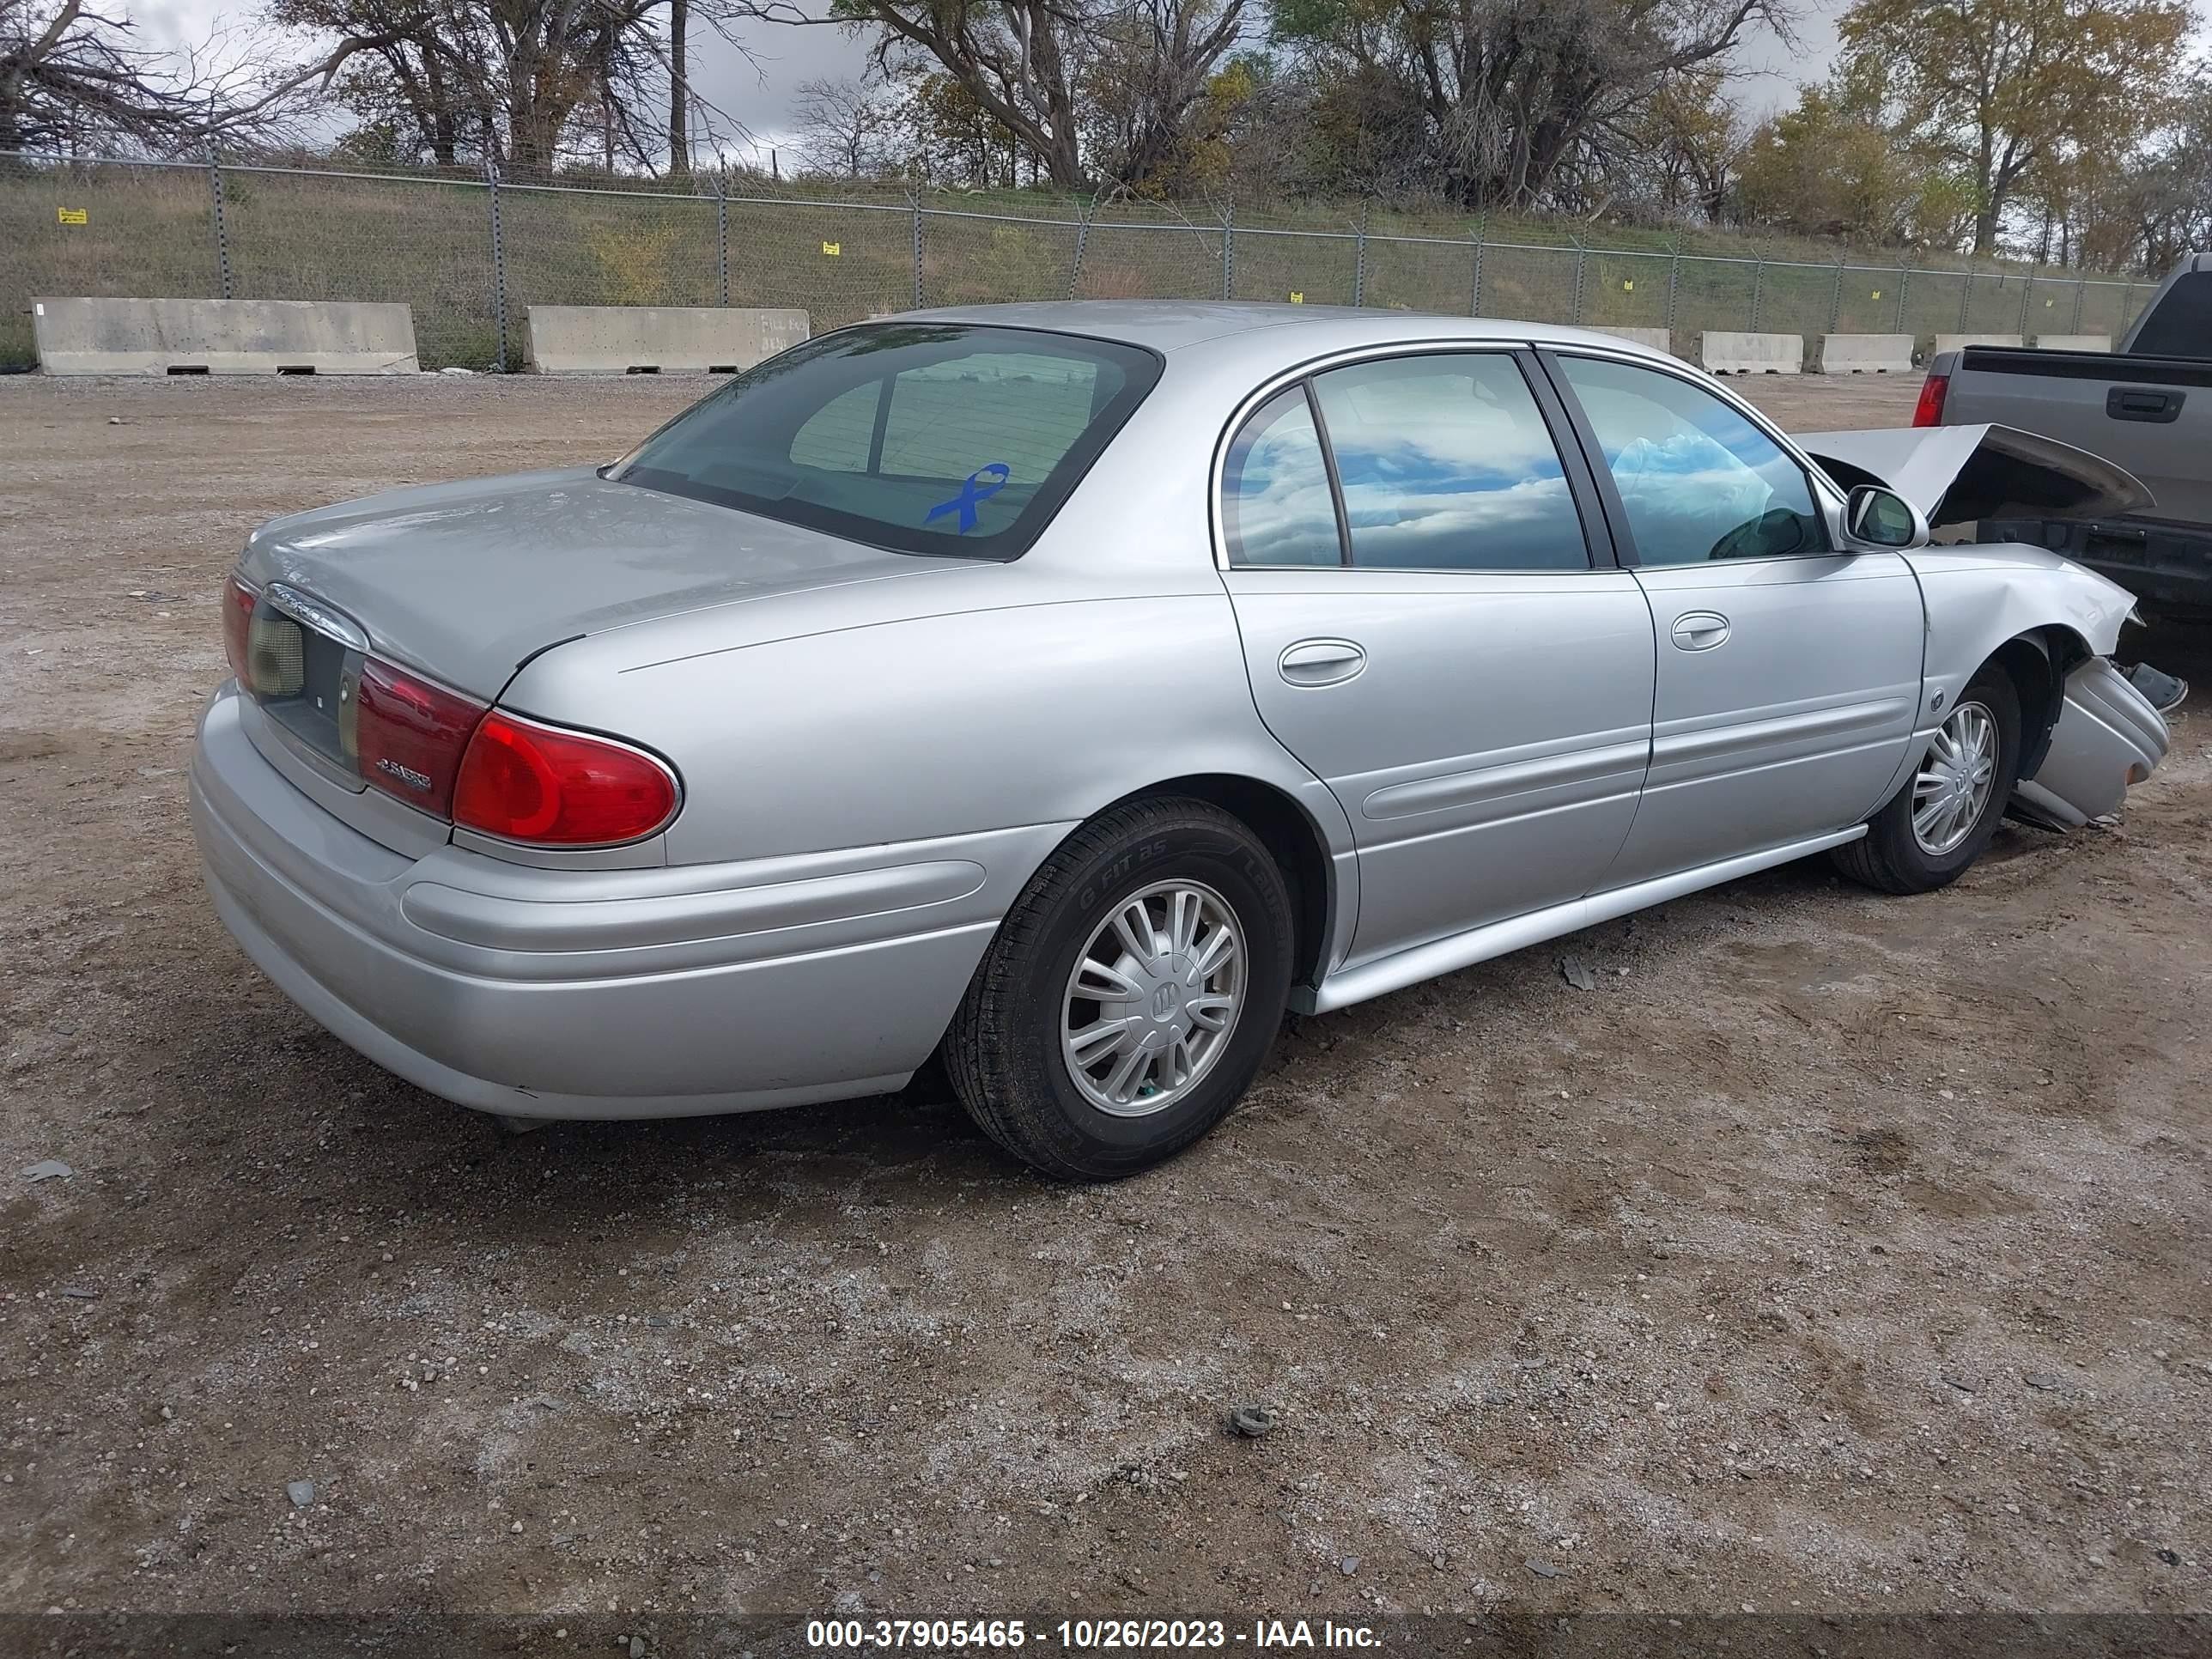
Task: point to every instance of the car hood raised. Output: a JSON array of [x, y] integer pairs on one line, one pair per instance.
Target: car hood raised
[[1958, 474], [466, 580]]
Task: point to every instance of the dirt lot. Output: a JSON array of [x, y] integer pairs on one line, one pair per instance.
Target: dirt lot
[[1836, 1252]]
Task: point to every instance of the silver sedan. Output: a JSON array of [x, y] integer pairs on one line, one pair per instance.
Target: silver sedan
[[1074, 688]]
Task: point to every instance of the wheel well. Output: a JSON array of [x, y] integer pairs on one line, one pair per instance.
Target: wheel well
[[1288, 834], [2039, 663]]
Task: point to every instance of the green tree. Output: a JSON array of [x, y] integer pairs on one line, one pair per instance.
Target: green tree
[[1998, 88]]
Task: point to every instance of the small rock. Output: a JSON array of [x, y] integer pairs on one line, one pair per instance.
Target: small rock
[[1542, 1568], [1251, 1421], [1577, 973], [80, 1292], [2047, 1384], [115, 419], [48, 1168], [301, 1493], [2169, 1557], [516, 1526], [1496, 1397], [1964, 1383], [635, 1646], [636, 1642], [1349, 1565]]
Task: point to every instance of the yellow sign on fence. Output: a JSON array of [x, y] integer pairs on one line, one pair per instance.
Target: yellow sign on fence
[[833, 249], [1297, 297], [73, 216]]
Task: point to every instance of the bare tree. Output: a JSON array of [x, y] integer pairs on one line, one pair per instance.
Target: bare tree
[[73, 76], [843, 126]]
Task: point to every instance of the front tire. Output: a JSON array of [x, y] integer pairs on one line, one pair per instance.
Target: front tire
[[1131, 994], [1943, 814]]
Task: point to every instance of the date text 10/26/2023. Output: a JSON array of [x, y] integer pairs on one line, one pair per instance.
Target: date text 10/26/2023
[[1089, 1635]]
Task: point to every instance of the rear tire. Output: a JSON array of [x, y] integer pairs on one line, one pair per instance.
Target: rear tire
[[1931, 830], [1174, 913]]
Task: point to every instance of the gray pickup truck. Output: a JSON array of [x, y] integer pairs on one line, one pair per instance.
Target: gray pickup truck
[[2146, 407]]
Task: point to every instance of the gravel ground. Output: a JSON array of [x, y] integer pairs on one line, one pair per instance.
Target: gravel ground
[[1836, 1252]]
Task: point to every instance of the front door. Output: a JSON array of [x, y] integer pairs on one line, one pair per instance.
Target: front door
[[1427, 630], [1788, 673]]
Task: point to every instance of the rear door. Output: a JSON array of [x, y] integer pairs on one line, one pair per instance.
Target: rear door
[[1788, 673], [1426, 628]]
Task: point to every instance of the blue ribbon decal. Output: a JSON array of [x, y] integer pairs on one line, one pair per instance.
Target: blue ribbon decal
[[970, 494]]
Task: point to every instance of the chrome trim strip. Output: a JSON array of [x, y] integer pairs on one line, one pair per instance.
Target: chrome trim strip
[[1498, 784], [537, 926], [313, 613]]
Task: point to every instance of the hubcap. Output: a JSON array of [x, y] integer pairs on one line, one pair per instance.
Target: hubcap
[[1955, 780], [1153, 998]]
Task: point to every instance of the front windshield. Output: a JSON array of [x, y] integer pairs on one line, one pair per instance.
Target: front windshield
[[945, 438]]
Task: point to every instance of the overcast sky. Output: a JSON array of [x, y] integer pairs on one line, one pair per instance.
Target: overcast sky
[[759, 93]]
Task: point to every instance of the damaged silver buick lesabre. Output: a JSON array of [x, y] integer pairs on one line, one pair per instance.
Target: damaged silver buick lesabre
[[1072, 689]]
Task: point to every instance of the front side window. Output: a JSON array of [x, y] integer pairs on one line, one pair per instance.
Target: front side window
[[1446, 463], [1276, 509], [945, 438], [1700, 482]]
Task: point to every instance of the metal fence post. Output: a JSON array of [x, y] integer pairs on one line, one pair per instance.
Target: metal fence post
[[1965, 295], [1673, 283], [914, 203], [1082, 241], [221, 229], [721, 238], [1836, 300], [1359, 261], [1757, 283], [498, 263], [1229, 251], [1582, 258], [1482, 226], [2027, 293], [2081, 292]]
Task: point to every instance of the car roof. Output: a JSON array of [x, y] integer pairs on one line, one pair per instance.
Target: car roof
[[1167, 325]]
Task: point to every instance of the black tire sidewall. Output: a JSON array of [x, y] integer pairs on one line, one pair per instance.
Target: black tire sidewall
[[1220, 855], [1993, 688]]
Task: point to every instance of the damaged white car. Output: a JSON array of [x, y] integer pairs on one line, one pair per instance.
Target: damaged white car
[[1073, 689]]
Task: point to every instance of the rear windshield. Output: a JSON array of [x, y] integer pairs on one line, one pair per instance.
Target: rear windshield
[[941, 438]]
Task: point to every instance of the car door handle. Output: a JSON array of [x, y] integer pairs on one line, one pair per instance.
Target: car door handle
[[2129, 402], [1321, 662], [1700, 630]]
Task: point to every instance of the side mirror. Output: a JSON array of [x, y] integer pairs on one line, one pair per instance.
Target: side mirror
[[1877, 517]]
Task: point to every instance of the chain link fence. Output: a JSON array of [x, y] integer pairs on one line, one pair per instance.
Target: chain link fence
[[470, 252]]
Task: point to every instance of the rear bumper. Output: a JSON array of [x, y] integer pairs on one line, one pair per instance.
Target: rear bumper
[[589, 993], [2162, 563], [2108, 737]]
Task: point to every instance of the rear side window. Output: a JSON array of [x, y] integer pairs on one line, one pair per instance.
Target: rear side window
[[945, 438], [2180, 325], [1446, 463], [1276, 508]]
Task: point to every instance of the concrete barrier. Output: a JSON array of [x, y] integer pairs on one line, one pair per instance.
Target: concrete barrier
[[1954, 342], [2074, 342], [222, 337], [1725, 353], [656, 339], [1865, 354], [1658, 339]]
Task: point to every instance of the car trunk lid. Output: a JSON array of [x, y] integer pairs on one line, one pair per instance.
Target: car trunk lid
[[465, 582]]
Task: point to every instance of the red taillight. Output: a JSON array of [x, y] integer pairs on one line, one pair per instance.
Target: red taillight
[[524, 781], [238, 602], [409, 735], [1929, 412]]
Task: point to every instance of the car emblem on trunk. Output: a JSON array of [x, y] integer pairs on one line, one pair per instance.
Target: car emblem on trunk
[[407, 775]]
